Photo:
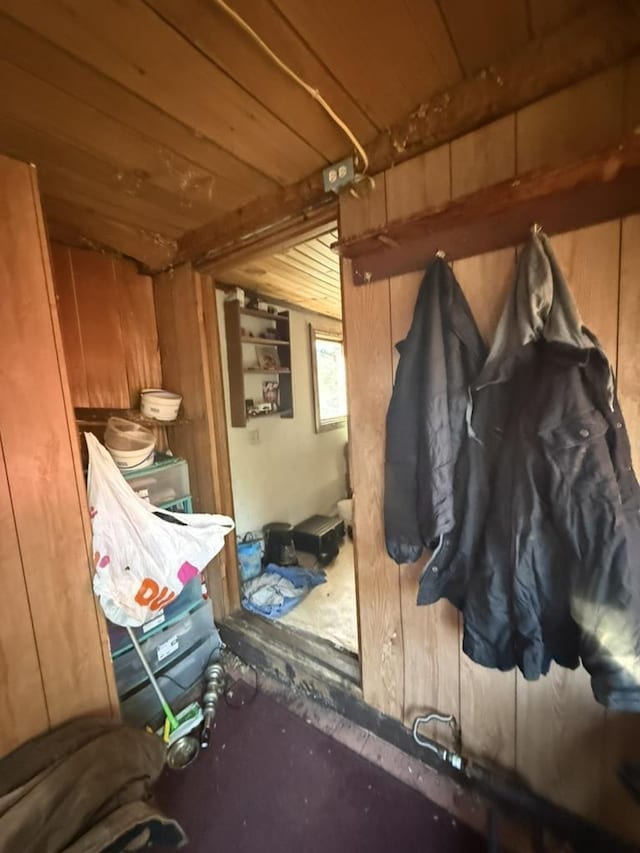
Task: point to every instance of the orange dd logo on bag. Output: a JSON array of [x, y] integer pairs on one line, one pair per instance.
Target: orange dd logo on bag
[[150, 595]]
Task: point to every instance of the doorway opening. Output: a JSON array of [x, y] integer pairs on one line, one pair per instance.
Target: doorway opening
[[282, 352]]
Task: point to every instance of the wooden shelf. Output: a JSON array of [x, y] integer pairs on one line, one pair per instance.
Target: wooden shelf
[[260, 370], [238, 394], [596, 189], [280, 414], [265, 315], [99, 417], [262, 341]]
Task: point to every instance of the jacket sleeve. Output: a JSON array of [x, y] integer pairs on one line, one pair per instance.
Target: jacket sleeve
[[402, 530], [410, 479]]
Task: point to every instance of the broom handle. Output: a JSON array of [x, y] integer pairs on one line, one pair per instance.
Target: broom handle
[[165, 705]]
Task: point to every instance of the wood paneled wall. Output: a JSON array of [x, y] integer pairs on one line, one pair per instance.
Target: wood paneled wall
[[54, 659], [108, 322], [551, 731], [191, 356]]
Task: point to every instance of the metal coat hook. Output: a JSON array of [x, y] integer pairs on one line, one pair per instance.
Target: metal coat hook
[[536, 228], [441, 254]]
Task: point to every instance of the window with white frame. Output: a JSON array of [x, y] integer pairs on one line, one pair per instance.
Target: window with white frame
[[329, 379]]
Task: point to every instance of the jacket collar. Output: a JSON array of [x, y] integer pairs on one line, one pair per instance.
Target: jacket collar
[[540, 307]]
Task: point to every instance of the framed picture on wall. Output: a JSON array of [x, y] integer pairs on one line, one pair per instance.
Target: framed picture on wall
[[268, 358], [271, 394]]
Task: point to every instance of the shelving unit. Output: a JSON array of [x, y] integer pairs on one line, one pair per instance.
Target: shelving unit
[[239, 342]]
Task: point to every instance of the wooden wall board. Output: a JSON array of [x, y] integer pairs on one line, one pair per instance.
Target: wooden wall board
[[223, 489], [629, 339], [486, 281], [106, 372], [185, 341], [369, 378], [42, 465], [622, 731], [22, 698], [64, 283], [574, 122], [632, 96], [100, 330], [419, 183], [484, 157], [139, 330]]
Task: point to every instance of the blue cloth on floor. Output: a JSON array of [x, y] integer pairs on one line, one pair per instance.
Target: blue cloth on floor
[[279, 589]]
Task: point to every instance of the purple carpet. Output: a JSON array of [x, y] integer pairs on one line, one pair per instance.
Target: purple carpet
[[271, 783]]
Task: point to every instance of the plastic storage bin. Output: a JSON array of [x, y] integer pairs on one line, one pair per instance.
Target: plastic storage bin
[[164, 484], [163, 648], [190, 597], [141, 706]]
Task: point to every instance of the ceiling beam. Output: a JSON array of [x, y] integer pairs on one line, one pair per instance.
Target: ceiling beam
[[604, 36]]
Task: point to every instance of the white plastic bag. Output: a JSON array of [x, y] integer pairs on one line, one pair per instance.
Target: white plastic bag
[[141, 561]]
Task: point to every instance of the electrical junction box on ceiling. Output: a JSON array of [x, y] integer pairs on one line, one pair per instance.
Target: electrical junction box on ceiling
[[338, 175]]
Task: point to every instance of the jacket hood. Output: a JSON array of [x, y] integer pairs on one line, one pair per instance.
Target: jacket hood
[[540, 307]]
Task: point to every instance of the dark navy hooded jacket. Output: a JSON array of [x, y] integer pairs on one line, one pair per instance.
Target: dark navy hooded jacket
[[542, 550]]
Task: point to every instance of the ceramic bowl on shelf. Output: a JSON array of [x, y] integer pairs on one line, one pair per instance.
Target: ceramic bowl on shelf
[[159, 405], [129, 444]]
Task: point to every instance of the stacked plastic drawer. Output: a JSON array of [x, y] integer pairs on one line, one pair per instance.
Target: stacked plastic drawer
[[177, 641]]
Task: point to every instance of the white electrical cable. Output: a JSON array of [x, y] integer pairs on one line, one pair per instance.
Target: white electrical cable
[[309, 89]]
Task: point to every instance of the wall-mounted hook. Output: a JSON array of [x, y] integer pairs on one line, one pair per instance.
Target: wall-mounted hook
[[536, 228], [441, 254]]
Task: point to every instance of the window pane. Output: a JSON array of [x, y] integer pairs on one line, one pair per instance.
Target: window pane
[[332, 388]]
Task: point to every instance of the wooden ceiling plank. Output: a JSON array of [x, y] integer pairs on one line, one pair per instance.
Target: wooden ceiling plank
[[299, 269], [130, 43], [320, 253], [236, 182], [296, 260], [57, 156], [286, 275], [325, 307], [485, 33], [243, 60], [390, 56], [292, 292], [602, 37], [83, 227], [548, 15], [36, 103]]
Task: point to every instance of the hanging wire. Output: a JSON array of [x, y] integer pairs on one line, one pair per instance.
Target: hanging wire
[[309, 89]]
